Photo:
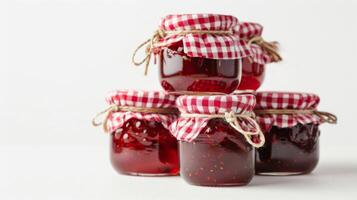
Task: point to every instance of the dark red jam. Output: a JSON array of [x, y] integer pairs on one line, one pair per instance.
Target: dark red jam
[[219, 156], [252, 75], [289, 151], [182, 73], [144, 148]]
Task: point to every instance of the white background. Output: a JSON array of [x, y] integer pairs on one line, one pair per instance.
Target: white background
[[59, 58]]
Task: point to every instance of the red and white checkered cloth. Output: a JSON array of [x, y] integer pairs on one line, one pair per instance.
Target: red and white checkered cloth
[[187, 129], [141, 99], [248, 30], [286, 100], [205, 45]]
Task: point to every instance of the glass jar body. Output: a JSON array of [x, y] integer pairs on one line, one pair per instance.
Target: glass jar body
[[179, 73], [219, 156], [144, 148], [289, 151], [252, 75]]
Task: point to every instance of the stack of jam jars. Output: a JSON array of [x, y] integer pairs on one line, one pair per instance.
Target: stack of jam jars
[[209, 124]]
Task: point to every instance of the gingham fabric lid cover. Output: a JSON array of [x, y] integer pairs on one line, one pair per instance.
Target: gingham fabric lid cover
[[212, 46], [187, 129], [249, 30], [286, 100], [141, 99]]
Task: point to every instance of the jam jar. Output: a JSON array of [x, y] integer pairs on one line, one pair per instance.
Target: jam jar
[[197, 53], [262, 53], [141, 143], [215, 146], [290, 122]]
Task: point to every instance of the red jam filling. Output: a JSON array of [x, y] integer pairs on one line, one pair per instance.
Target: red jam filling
[[182, 73], [289, 151], [144, 148], [252, 75], [219, 156]]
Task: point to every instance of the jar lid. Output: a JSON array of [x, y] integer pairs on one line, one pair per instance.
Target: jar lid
[[196, 111], [281, 100], [154, 106], [262, 52], [211, 36], [286, 109]]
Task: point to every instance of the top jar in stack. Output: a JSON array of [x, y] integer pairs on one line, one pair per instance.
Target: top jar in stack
[[208, 53]]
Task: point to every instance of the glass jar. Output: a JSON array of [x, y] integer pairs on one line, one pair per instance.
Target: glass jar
[[290, 122], [219, 156], [196, 56], [215, 146], [144, 148], [138, 123], [252, 75], [178, 72], [289, 151]]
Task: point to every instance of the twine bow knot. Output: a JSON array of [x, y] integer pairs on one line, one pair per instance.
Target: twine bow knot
[[230, 117]]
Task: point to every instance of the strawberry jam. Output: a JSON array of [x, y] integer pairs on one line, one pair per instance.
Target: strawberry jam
[[179, 72], [144, 148], [219, 156], [289, 151], [252, 75]]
